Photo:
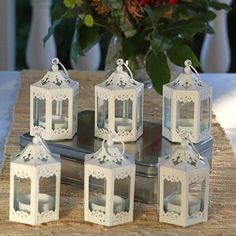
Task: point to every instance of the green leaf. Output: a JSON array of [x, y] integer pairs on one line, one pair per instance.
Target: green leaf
[[219, 6], [134, 46], [88, 36], [209, 29], [72, 3], [160, 43], [181, 52], [88, 20], [150, 13], [54, 25], [190, 27], [158, 70], [76, 51], [160, 11], [69, 3]]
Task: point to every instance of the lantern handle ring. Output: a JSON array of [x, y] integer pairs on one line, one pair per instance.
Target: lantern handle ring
[[187, 143], [56, 62], [110, 143], [120, 62], [38, 138], [189, 67]]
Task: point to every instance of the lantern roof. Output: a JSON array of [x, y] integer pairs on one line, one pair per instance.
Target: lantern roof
[[185, 157], [56, 79], [120, 79], [189, 80], [109, 155], [36, 153]]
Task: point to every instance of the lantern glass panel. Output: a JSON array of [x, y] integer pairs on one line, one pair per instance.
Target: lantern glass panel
[[123, 115], [97, 198], [185, 116], [39, 112], [172, 196], [22, 188], [205, 115], [47, 194], [121, 195], [139, 113], [60, 114], [102, 113], [196, 197], [167, 113]]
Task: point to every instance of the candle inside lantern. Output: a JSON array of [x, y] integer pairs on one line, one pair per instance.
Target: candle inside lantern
[[121, 124], [98, 203], [45, 202], [57, 122], [173, 203], [185, 125]]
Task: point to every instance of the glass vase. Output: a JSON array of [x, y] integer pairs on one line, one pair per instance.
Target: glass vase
[[137, 64]]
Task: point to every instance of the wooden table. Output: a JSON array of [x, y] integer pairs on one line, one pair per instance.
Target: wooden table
[[222, 206]]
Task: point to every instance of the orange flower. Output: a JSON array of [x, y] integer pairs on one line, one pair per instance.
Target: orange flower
[[100, 8], [135, 9]]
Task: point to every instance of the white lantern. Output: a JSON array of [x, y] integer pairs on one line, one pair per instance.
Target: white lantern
[[53, 104], [111, 202], [35, 176], [119, 105], [187, 103], [184, 187]]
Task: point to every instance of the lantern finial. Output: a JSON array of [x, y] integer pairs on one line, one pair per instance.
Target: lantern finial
[[187, 144]]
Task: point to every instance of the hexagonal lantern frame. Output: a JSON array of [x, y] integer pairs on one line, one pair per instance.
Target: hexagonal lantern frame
[[187, 104], [184, 186], [53, 104], [119, 105], [109, 206], [35, 162]]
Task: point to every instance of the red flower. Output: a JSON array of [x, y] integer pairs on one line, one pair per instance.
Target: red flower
[[172, 1], [156, 3], [144, 2]]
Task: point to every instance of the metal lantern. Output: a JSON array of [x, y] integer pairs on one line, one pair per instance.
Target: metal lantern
[[119, 105], [53, 104], [184, 186], [35, 175], [187, 103], [109, 179]]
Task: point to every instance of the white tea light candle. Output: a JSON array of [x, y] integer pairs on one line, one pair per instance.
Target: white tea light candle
[[57, 122], [173, 203], [45, 202], [98, 203]]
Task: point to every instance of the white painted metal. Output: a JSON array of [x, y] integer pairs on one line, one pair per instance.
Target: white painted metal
[[187, 88], [35, 161], [215, 53], [184, 167], [119, 87], [54, 87], [7, 34], [110, 164], [39, 56]]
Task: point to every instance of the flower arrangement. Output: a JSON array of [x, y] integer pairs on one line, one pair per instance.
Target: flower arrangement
[[155, 29]]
